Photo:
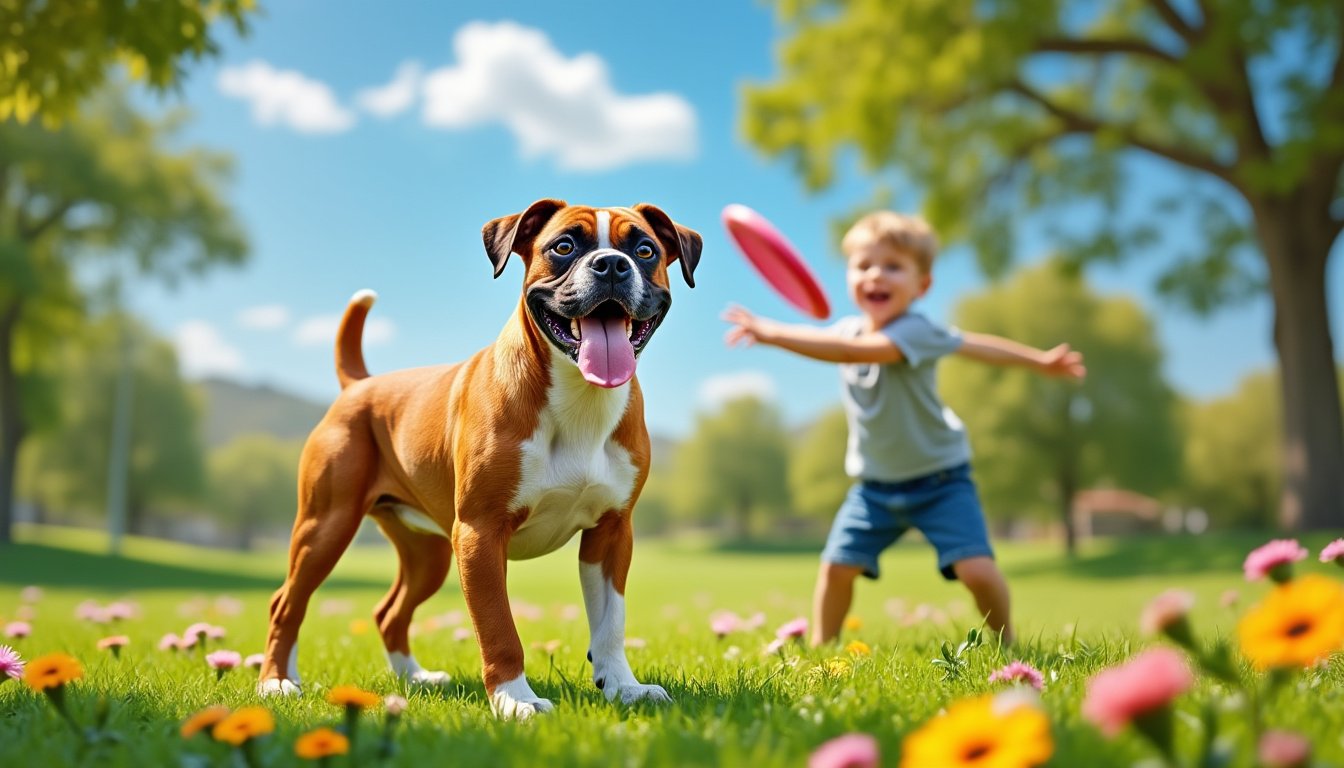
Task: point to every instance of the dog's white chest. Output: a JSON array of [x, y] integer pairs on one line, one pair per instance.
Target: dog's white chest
[[572, 471]]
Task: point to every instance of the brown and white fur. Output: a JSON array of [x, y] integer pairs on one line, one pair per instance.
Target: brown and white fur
[[504, 456]]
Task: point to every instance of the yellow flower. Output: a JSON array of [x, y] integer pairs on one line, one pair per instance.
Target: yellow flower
[[52, 671], [204, 719], [319, 743], [980, 733], [1298, 624], [350, 696], [858, 648], [246, 723], [853, 623], [359, 626]]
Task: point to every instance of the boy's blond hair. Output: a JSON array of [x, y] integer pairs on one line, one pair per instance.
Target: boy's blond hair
[[910, 234]]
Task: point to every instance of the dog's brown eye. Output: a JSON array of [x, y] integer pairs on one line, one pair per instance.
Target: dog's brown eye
[[644, 250], [563, 248]]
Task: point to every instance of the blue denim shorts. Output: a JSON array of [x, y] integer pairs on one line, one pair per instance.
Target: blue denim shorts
[[943, 506]]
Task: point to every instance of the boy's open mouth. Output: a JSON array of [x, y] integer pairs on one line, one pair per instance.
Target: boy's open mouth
[[877, 296]]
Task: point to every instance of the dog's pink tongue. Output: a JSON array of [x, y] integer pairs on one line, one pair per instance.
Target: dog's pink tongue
[[606, 356]]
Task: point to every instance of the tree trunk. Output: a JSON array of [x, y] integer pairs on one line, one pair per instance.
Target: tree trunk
[[12, 427], [1297, 247]]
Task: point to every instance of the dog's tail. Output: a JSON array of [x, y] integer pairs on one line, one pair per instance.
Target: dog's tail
[[349, 351]]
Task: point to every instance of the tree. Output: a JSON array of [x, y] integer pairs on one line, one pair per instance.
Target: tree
[[102, 185], [1230, 449], [254, 482], [817, 479], [53, 53], [67, 465], [996, 109], [1036, 440], [736, 459]]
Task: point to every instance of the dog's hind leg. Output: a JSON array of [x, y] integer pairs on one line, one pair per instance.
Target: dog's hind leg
[[424, 560], [325, 526]]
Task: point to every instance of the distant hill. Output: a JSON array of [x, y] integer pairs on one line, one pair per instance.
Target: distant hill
[[233, 409]]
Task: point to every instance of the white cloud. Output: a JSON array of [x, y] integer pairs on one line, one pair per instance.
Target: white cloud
[[201, 351], [286, 97], [321, 330], [266, 317], [717, 390], [395, 97], [566, 107]]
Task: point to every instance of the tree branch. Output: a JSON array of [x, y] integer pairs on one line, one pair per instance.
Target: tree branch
[[1077, 122], [1105, 47], [31, 230], [1173, 19]]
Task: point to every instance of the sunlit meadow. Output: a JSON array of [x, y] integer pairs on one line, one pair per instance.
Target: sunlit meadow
[[1171, 651]]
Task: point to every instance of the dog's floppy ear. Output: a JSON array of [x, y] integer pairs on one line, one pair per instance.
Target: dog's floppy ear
[[514, 233], [683, 244]]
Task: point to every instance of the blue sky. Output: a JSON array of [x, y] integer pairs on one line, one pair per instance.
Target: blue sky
[[372, 141]]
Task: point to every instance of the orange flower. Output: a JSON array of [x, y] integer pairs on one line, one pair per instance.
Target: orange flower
[[246, 723], [350, 696], [204, 719], [52, 671], [320, 743], [1298, 624]]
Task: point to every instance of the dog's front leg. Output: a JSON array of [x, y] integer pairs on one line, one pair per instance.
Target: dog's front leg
[[604, 561], [481, 564]]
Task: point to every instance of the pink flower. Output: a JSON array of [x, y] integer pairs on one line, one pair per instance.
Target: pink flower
[[852, 750], [18, 629], [724, 623], [1230, 598], [113, 643], [90, 610], [395, 705], [1333, 552], [120, 610], [224, 660], [1282, 749], [30, 595], [170, 642], [754, 621], [11, 664], [255, 661], [1019, 671], [1150, 681], [774, 646], [1274, 560], [792, 629], [196, 632], [1166, 615], [461, 634], [215, 632]]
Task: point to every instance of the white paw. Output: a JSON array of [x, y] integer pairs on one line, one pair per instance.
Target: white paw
[[278, 687], [428, 677], [631, 693], [508, 708]]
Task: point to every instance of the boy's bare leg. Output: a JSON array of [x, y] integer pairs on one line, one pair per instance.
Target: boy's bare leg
[[830, 602], [982, 577]]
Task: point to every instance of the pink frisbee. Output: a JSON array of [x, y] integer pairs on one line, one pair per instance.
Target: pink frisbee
[[776, 260]]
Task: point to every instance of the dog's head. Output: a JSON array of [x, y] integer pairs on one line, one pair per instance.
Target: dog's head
[[597, 278]]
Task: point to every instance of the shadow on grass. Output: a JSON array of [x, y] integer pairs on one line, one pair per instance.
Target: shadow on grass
[[1121, 558], [23, 564]]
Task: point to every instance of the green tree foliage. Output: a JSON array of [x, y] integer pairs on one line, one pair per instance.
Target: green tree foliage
[[817, 479], [996, 109], [104, 185], [66, 467], [254, 483], [736, 462], [53, 53], [1231, 448], [1038, 440]]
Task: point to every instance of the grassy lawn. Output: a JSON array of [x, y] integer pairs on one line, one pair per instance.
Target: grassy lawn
[[734, 704]]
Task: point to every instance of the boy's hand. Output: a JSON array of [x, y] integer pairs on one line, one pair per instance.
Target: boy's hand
[[750, 328], [1063, 361]]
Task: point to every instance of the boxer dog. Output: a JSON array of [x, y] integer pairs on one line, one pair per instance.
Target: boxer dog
[[504, 456]]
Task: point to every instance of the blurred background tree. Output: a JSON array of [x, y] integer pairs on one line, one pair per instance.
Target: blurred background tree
[[817, 479], [254, 482], [735, 461], [54, 53], [103, 185], [66, 466], [994, 110], [1038, 441]]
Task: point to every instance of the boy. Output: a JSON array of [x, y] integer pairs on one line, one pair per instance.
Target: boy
[[907, 452]]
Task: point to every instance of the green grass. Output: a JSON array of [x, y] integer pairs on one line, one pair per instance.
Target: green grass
[[731, 707]]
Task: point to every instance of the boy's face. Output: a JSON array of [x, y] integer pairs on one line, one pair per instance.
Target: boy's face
[[884, 281]]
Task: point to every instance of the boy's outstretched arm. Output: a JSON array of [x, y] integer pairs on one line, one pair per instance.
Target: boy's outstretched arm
[[1057, 361], [807, 341]]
